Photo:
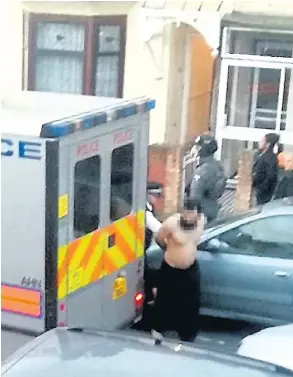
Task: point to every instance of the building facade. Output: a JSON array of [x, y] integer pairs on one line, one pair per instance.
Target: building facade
[[165, 50], [254, 82], [230, 59]]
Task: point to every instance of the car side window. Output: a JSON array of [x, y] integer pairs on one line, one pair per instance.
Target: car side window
[[267, 237]]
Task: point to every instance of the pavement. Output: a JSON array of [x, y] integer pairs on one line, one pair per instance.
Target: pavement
[[215, 334]]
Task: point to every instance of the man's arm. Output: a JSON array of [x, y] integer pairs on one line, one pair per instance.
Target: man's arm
[[164, 233]]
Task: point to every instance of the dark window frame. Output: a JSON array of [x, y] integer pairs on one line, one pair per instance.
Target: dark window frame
[[97, 160], [91, 45], [113, 171]]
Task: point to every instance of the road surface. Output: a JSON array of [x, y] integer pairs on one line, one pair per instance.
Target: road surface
[[224, 335], [215, 334], [221, 334]]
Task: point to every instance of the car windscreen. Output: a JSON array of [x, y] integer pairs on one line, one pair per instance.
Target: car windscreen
[[231, 219]]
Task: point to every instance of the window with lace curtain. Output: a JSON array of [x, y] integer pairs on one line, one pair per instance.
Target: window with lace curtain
[[77, 55]]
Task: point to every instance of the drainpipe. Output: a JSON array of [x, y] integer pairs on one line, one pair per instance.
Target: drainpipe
[[186, 89]]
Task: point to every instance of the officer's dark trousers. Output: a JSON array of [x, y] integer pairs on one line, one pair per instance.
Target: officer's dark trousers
[[178, 300], [150, 277]]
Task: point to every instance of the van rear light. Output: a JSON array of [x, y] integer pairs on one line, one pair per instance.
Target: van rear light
[[138, 300], [61, 324], [62, 307]]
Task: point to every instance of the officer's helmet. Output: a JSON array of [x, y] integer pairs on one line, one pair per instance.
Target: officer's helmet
[[154, 188], [206, 145]]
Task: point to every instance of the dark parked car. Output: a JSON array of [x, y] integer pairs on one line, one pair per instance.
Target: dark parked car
[[246, 264], [63, 352]]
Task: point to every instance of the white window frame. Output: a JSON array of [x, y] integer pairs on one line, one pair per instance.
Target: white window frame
[[254, 97], [279, 111], [226, 38], [223, 131]]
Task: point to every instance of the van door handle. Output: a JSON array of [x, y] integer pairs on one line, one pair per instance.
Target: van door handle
[[282, 274]]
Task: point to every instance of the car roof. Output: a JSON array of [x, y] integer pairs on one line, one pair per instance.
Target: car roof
[[62, 352], [284, 205], [282, 331], [276, 207]]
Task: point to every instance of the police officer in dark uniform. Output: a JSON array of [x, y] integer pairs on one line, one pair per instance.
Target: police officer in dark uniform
[[154, 191], [209, 180], [152, 226]]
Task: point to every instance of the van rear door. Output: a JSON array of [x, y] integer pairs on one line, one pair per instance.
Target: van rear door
[[81, 229], [120, 255], [97, 266]]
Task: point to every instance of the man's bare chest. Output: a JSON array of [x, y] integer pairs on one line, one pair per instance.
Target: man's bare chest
[[182, 237]]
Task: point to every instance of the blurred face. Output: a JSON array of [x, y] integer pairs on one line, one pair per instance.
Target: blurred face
[[190, 215], [289, 162], [151, 199], [262, 144], [188, 219]]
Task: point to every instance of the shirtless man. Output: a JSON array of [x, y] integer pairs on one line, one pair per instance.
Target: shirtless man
[[178, 294]]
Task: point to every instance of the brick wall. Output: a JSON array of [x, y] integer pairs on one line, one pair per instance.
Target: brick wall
[[156, 169], [243, 195], [165, 164], [173, 171]]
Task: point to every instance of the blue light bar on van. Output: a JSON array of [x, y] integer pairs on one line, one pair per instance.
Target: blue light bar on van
[[91, 121], [149, 105], [81, 122], [56, 131], [126, 111]]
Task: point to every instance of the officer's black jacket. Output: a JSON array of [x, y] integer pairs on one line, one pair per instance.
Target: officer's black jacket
[[265, 175], [202, 188]]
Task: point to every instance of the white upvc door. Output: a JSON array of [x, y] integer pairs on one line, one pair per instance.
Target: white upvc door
[[264, 113]]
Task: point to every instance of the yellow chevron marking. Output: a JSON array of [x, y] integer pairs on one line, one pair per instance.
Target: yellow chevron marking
[[127, 232], [81, 250], [62, 290], [80, 277], [61, 254], [94, 260], [141, 217], [62, 286], [75, 272], [117, 257]]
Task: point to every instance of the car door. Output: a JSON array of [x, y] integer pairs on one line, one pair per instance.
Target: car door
[[224, 272], [248, 270]]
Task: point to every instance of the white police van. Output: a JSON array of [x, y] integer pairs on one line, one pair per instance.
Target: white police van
[[74, 172]]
